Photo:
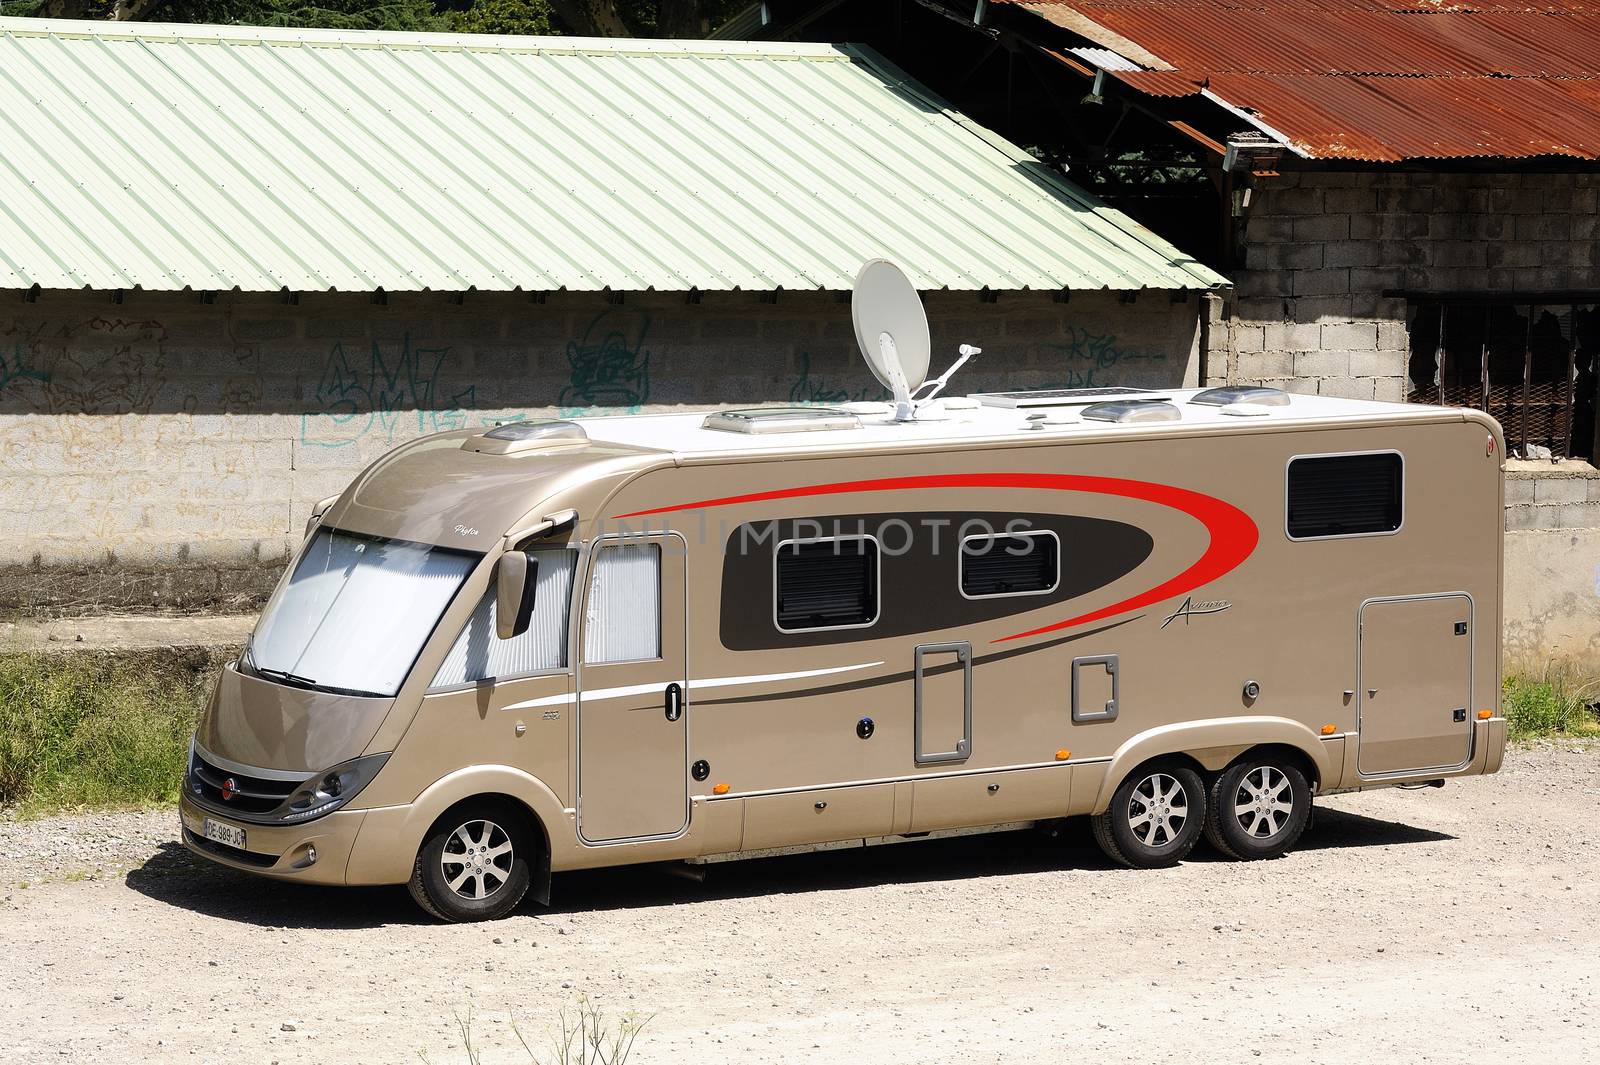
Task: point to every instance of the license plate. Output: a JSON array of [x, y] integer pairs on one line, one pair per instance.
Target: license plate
[[222, 833]]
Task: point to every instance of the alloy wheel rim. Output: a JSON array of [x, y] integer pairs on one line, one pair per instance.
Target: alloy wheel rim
[[1158, 810], [1264, 802], [477, 859]]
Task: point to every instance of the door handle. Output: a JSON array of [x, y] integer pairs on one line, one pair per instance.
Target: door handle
[[674, 701]]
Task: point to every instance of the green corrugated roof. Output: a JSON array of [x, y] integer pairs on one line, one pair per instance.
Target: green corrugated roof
[[214, 158]]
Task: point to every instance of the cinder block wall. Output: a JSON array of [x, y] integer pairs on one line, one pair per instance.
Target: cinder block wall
[[162, 452], [1321, 249], [1309, 314]]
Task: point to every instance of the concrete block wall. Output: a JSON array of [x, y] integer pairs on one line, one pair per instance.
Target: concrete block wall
[[1321, 248], [163, 452], [1543, 495], [1552, 564], [1309, 314]]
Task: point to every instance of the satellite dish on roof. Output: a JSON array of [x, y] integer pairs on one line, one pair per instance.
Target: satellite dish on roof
[[892, 332]]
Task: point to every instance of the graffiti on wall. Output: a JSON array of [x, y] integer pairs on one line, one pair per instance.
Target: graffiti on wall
[[15, 369], [388, 392], [811, 387], [1090, 359], [93, 366], [609, 366]]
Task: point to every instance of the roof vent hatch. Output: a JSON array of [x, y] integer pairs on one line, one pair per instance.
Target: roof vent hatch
[[1260, 395], [756, 421], [1133, 412], [516, 437]]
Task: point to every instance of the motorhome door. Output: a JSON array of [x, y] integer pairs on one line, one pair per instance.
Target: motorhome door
[[1414, 690], [633, 698]]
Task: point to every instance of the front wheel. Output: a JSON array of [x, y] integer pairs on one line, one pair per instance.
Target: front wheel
[[1155, 817], [1259, 808], [473, 866]]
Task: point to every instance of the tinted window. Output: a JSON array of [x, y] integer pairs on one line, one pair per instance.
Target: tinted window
[[827, 584], [1344, 495], [1009, 565]]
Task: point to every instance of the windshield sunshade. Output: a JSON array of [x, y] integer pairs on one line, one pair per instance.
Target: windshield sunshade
[[355, 613]]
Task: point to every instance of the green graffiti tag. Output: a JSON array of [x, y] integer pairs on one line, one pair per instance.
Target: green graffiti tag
[[609, 365], [1089, 358], [809, 387], [16, 369], [381, 392]]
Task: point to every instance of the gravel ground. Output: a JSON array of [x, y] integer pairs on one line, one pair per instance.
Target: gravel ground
[[1434, 926]]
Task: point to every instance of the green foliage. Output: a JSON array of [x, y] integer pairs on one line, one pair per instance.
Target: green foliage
[[324, 14], [107, 729], [523, 17], [1555, 702], [463, 16]]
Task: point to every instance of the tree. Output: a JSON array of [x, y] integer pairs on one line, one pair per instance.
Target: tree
[[523, 17], [332, 14], [589, 18], [643, 18]]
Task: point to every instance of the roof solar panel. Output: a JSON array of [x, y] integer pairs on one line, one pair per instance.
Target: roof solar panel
[[1057, 397]]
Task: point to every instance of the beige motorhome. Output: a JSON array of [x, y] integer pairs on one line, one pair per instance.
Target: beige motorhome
[[558, 645], [690, 637]]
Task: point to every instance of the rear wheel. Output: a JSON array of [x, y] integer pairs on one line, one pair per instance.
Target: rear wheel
[[474, 864], [1259, 808], [1155, 818]]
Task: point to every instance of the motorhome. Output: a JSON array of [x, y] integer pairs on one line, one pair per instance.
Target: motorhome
[[554, 645]]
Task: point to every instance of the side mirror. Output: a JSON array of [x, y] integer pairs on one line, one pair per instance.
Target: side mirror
[[318, 510], [516, 582]]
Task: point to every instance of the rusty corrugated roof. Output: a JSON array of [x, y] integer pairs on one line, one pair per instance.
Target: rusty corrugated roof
[[1377, 80]]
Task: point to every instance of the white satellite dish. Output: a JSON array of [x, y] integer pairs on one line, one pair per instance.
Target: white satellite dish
[[892, 332]]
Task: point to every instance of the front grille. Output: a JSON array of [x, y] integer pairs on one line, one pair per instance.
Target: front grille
[[222, 850], [247, 795]]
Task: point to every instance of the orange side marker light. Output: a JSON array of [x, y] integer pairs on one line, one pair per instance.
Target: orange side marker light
[[1329, 730], [719, 789], [1484, 715], [1063, 754]]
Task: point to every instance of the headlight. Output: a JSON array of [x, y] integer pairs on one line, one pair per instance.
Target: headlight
[[329, 790]]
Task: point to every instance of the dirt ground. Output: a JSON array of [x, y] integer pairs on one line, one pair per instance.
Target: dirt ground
[[1448, 925]]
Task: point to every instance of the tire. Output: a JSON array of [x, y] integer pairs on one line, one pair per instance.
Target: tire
[[1156, 817], [1259, 809], [474, 863]]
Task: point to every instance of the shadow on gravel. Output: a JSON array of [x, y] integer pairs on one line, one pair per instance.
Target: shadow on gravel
[[176, 877], [961, 858], [1332, 829], [172, 875]]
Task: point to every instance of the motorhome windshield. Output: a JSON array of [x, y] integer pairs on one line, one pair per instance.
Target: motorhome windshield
[[355, 613]]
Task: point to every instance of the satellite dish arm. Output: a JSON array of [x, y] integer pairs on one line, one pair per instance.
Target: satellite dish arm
[[898, 385], [938, 383]]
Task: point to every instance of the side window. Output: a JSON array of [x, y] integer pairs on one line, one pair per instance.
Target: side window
[[1010, 564], [1344, 495], [826, 584], [622, 622], [479, 654]]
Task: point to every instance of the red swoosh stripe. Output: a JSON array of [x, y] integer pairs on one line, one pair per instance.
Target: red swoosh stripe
[[1233, 535]]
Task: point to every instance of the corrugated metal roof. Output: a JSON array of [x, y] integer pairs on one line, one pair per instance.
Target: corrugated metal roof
[[213, 158], [1378, 80]]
